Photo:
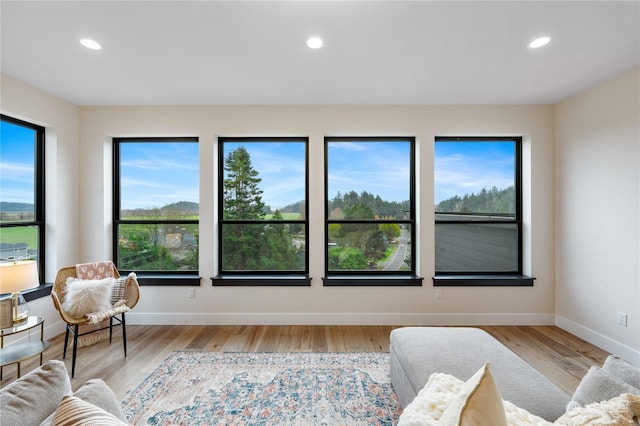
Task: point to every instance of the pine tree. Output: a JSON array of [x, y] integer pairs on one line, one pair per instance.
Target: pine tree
[[242, 200], [242, 196]]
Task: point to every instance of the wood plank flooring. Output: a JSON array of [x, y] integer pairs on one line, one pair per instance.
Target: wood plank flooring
[[558, 355]]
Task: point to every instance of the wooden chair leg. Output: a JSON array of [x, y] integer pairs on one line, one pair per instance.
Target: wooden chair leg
[[75, 349]]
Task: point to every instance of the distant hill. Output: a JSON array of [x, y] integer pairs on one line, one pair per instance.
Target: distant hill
[[182, 207], [186, 208], [9, 207]]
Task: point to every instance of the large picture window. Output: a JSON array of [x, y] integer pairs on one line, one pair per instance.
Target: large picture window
[[370, 211], [478, 219], [22, 230], [262, 211], [156, 207]]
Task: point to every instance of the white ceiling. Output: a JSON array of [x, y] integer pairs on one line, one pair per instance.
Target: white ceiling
[[375, 52]]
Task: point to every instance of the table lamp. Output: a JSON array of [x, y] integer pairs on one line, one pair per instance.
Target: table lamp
[[15, 277]]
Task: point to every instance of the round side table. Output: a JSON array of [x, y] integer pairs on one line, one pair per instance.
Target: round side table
[[21, 351]]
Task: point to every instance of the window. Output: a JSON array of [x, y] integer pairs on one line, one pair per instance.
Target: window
[[262, 211], [369, 211], [156, 210], [478, 218], [22, 224]]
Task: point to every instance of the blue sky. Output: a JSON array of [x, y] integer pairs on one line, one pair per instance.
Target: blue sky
[[467, 167], [16, 163], [154, 174], [380, 168], [280, 166]]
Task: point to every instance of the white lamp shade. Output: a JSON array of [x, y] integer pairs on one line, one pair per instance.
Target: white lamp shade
[[18, 276]]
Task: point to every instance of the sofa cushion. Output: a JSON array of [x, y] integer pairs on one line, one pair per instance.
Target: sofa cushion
[[418, 352], [622, 370], [477, 403], [30, 399], [73, 411], [98, 393], [598, 385]]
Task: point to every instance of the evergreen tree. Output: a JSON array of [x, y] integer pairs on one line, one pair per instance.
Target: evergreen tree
[[242, 200], [242, 196], [492, 201], [278, 253]]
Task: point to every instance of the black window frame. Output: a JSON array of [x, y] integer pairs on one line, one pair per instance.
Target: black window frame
[[148, 278], [39, 196], [376, 277], [260, 278], [489, 278]]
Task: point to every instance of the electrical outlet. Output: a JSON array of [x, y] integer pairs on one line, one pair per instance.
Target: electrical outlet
[[191, 293], [622, 319], [438, 293]]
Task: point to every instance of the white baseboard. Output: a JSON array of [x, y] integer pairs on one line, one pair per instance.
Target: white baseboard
[[612, 346], [337, 319]]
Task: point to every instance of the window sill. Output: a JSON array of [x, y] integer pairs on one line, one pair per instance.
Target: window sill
[[483, 281], [261, 280], [39, 292], [372, 281], [168, 280]]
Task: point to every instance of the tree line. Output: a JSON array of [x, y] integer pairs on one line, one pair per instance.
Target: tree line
[[487, 201]]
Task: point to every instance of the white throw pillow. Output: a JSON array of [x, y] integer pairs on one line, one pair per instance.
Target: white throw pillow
[[83, 297], [427, 407], [477, 403]]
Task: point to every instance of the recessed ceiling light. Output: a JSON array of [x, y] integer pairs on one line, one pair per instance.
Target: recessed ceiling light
[[91, 44], [539, 42], [315, 42]]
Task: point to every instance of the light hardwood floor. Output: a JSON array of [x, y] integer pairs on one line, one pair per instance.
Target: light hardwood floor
[[558, 355]]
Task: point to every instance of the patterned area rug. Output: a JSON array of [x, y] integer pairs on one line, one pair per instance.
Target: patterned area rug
[[218, 388]]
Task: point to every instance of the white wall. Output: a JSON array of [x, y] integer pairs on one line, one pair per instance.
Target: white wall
[[62, 209], [598, 214], [319, 305], [595, 234]]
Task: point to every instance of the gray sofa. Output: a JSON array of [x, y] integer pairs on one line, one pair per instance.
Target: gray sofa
[[34, 398], [417, 352]]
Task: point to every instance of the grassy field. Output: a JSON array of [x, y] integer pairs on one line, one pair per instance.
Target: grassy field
[[285, 216], [25, 234]]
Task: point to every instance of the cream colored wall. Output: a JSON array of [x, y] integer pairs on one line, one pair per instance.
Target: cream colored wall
[[61, 120], [598, 214], [317, 304], [79, 203]]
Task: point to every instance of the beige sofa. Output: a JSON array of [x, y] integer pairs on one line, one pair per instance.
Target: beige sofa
[[37, 397]]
